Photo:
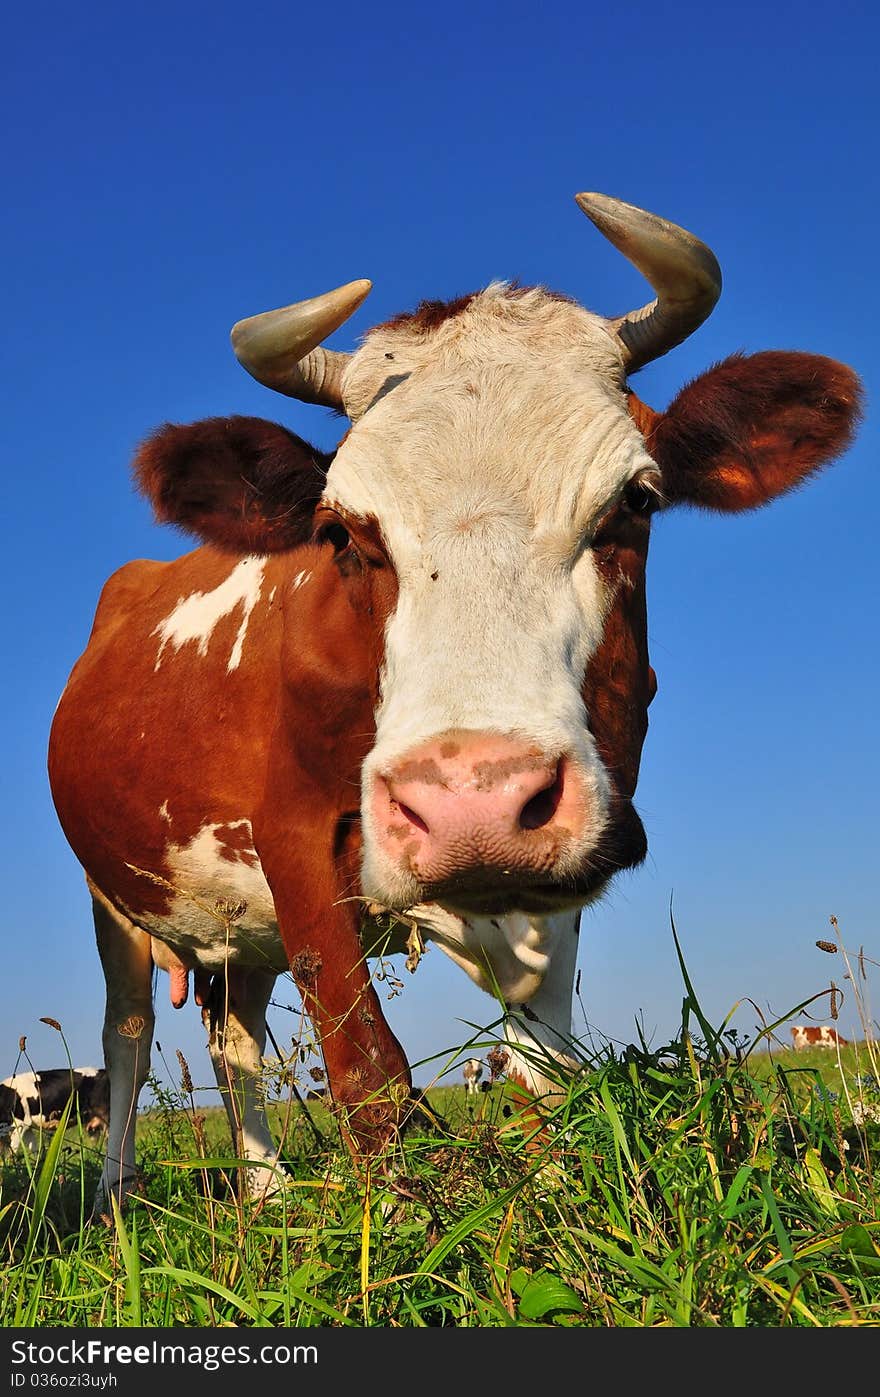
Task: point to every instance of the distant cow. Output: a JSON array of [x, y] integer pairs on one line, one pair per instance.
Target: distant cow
[[472, 1072], [822, 1036], [34, 1101], [411, 673]]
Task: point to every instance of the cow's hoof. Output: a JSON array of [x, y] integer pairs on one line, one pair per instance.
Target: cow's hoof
[[123, 1190], [267, 1183]]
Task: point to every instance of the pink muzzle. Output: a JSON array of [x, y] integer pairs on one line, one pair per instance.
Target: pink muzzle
[[478, 804]]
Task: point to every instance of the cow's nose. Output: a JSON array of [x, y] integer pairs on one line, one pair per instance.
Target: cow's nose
[[516, 792], [476, 800]]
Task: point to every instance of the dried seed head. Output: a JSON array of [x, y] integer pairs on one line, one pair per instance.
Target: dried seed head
[[53, 1023], [132, 1027], [229, 909], [22, 1043], [828, 946], [835, 1000], [317, 1074], [186, 1080], [306, 966], [497, 1060]]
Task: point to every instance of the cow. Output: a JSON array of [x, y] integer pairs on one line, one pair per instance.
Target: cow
[[31, 1102], [821, 1036], [405, 683], [472, 1071]]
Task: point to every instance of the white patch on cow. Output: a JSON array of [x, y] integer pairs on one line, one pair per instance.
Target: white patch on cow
[[163, 812], [24, 1083], [500, 444], [511, 952], [527, 960], [195, 617], [210, 877]]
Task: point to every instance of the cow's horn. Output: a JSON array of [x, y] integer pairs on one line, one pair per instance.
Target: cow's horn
[[683, 271], [281, 348]]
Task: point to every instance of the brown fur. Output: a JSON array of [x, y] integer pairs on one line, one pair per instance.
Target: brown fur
[[428, 315], [751, 428], [245, 485], [140, 755], [620, 683]]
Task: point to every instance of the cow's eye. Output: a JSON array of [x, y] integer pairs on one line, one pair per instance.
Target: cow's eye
[[642, 496], [336, 534]]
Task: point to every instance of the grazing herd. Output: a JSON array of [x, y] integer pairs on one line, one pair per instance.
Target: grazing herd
[[33, 1102], [402, 684]]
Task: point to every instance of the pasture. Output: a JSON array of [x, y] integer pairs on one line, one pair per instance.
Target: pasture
[[703, 1183]]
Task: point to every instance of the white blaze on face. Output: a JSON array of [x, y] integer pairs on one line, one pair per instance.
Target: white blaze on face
[[195, 617], [495, 447]]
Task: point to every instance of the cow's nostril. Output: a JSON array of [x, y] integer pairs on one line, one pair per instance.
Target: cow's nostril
[[409, 814], [539, 811]]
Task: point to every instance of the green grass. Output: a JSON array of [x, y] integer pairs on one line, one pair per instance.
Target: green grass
[[702, 1183]]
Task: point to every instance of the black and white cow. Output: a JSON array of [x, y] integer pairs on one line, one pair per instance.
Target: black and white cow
[[34, 1101]]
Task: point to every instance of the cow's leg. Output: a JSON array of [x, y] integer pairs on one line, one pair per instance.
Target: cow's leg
[[23, 1137], [367, 1071], [128, 1034], [319, 917], [538, 1032], [236, 1019]]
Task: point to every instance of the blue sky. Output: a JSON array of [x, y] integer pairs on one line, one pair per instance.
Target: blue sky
[[170, 169]]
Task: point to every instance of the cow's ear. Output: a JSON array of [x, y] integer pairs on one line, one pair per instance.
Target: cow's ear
[[240, 483], [753, 427]]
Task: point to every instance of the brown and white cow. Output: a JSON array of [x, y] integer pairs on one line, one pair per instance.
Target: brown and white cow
[[471, 1072], [411, 673], [820, 1036]]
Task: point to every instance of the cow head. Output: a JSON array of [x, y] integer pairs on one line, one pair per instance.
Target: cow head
[[487, 518]]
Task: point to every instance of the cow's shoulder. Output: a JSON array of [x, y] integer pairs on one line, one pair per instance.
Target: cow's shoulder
[[129, 586]]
